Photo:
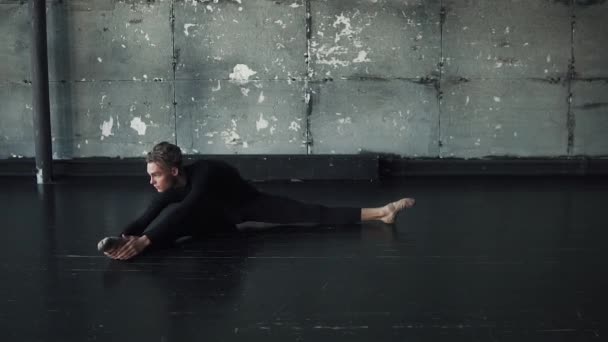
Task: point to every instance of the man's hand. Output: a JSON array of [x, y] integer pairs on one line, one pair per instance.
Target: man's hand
[[133, 246]]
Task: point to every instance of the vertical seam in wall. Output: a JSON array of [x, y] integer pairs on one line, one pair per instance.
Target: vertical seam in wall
[[174, 64], [307, 77], [570, 120], [438, 87]]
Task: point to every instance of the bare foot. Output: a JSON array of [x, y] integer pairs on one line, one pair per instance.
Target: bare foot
[[390, 210]]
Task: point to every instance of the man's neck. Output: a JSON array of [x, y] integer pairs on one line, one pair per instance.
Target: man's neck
[[181, 181]]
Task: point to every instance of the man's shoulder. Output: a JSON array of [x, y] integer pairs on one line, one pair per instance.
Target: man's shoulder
[[204, 163]]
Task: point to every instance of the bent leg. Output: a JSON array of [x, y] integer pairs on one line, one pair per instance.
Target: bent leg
[[210, 220], [277, 209]]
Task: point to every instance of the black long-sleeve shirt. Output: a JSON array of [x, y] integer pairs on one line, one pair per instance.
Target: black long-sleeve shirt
[[209, 184]]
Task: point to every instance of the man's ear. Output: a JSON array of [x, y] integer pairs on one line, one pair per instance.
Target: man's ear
[[174, 171]]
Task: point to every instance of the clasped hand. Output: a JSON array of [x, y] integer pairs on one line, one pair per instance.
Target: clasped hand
[[131, 248]]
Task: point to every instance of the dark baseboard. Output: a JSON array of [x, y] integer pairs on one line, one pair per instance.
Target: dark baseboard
[[252, 167], [401, 167], [330, 167]]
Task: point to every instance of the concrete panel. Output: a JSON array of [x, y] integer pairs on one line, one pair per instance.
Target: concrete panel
[[212, 38], [380, 38], [15, 36], [396, 116], [591, 38], [110, 118], [506, 39], [222, 117], [590, 110], [110, 40], [504, 117], [16, 120]]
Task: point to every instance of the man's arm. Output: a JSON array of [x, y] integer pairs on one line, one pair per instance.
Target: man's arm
[[164, 228], [136, 227]]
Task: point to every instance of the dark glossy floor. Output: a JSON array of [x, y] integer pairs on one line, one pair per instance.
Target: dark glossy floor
[[478, 259]]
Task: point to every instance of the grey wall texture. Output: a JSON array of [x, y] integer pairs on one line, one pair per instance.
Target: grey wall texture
[[415, 78]]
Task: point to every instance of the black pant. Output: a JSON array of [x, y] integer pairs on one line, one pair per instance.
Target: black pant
[[261, 208], [276, 209]]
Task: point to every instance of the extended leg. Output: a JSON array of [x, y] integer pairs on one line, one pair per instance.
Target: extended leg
[[276, 209], [388, 212]]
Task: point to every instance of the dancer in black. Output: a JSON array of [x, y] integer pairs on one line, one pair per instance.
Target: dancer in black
[[212, 193]]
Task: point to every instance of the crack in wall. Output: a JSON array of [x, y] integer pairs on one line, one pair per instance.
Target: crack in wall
[[442, 14]]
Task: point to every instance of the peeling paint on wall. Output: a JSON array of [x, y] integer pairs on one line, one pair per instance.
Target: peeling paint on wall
[[231, 137], [261, 123], [106, 128], [138, 125], [241, 74]]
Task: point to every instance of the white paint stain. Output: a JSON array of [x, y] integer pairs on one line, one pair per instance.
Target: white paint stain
[[241, 74], [295, 5], [496, 99], [549, 58], [324, 52], [245, 91], [230, 136], [186, 27], [280, 23], [362, 58], [123, 46], [467, 101], [106, 128], [478, 142], [507, 30], [219, 86], [294, 126], [139, 125], [99, 59], [346, 31], [261, 123], [346, 120], [515, 134], [497, 127], [261, 98], [245, 144]]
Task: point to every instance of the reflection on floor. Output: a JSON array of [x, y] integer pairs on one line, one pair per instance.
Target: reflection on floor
[[478, 259]]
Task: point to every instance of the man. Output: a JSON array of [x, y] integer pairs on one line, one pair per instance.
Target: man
[[212, 193]]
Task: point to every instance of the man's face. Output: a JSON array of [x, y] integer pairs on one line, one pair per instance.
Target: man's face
[[161, 178]]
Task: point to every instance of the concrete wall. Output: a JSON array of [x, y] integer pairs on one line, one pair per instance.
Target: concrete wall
[[417, 78]]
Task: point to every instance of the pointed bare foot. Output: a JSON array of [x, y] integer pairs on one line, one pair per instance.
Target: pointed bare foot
[[390, 210]]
